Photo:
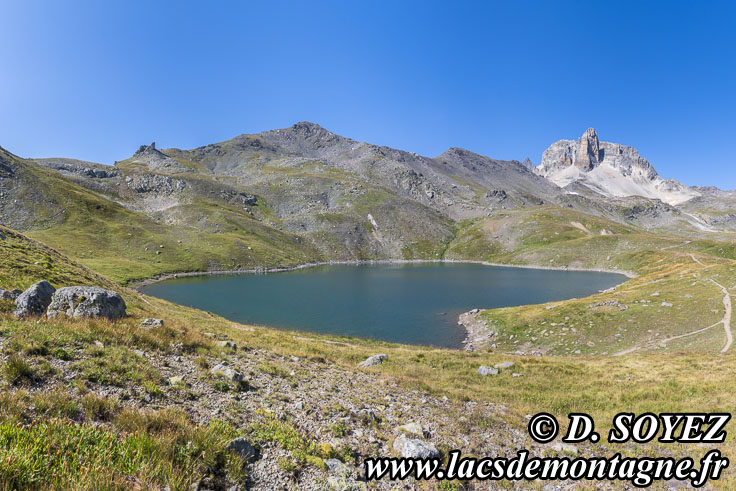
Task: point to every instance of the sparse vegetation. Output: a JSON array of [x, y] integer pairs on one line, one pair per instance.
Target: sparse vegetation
[[17, 370]]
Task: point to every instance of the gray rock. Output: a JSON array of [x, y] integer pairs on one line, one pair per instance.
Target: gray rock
[[373, 361], [151, 322], [487, 371], [411, 429], [9, 294], [227, 344], [176, 380], [243, 448], [504, 365], [565, 447], [414, 448], [337, 468], [86, 301], [35, 300], [222, 370], [365, 413]]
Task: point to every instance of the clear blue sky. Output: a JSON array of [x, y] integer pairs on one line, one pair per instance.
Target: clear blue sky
[[94, 80]]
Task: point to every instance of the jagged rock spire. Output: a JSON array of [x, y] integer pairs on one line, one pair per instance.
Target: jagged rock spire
[[588, 152]]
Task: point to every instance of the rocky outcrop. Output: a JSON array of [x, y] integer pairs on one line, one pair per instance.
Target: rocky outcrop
[[610, 169], [86, 301], [156, 160], [239, 197], [71, 167], [151, 322], [6, 164], [155, 183], [35, 300], [527, 162], [479, 333]]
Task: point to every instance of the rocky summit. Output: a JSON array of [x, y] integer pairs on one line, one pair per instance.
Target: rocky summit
[[610, 169]]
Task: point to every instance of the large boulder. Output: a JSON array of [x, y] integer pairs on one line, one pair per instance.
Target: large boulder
[[86, 301], [34, 300]]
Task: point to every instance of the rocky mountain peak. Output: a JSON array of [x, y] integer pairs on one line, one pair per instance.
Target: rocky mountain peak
[[157, 160], [527, 162], [310, 130], [146, 150], [608, 168]]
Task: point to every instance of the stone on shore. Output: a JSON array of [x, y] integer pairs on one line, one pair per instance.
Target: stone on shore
[[151, 322], [86, 301], [373, 361]]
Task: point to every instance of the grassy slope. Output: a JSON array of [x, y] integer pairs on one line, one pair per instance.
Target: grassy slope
[[599, 385], [201, 235], [123, 244], [666, 273]]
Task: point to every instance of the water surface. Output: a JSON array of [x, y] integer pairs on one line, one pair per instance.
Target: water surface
[[404, 303]]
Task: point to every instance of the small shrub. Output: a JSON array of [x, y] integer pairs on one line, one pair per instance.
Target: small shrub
[[203, 363], [17, 370], [339, 429], [62, 354], [273, 369], [99, 408], [152, 389], [288, 465], [221, 386]]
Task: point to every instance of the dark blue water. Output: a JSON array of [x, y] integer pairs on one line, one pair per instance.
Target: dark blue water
[[404, 303]]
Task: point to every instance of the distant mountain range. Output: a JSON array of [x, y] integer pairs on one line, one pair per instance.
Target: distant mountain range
[[304, 193]]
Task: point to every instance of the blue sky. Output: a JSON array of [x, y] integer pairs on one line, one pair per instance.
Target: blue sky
[[94, 80]]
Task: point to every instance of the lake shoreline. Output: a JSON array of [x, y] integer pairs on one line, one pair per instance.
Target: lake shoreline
[[137, 285]]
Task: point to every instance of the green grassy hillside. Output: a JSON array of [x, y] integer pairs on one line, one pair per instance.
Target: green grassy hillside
[[98, 391]]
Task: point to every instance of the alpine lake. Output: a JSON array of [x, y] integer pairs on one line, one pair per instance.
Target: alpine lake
[[409, 303]]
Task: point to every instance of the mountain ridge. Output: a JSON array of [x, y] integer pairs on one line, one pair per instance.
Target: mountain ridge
[[611, 169]]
